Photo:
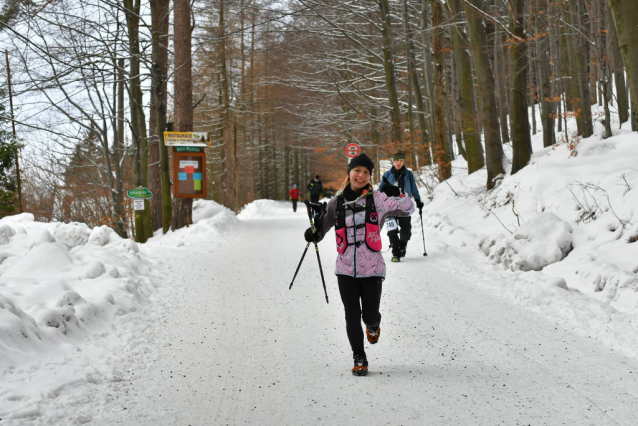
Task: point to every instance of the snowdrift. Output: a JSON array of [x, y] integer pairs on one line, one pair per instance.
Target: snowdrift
[[210, 220], [572, 214], [60, 282], [544, 240], [263, 209]]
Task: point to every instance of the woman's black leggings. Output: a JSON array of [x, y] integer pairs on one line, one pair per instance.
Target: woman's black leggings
[[361, 298]]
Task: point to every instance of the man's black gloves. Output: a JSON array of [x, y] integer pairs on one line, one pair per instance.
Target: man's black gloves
[[310, 236], [389, 189], [419, 204]]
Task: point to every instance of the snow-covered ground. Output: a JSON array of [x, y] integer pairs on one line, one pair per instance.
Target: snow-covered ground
[[524, 311], [565, 228]]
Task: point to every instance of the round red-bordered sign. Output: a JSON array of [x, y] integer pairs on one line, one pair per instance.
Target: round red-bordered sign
[[352, 150]]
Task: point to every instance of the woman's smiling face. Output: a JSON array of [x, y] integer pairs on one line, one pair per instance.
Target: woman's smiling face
[[359, 178]]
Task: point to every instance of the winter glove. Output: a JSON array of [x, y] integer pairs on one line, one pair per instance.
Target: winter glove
[[311, 236], [319, 214], [389, 189], [419, 204]]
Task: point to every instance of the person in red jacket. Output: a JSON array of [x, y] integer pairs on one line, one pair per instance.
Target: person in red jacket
[[294, 197]]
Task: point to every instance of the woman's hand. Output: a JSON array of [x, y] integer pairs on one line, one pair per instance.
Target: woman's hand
[[389, 189]]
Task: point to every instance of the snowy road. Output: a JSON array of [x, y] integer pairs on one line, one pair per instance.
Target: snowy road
[[230, 344]]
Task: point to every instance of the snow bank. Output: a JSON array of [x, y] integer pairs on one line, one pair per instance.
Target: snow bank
[[211, 221], [572, 214], [617, 287], [214, 222], [60, 282], [265, 209], [542, 241]]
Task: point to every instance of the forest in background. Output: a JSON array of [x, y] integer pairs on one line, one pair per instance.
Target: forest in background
[[283, 87]]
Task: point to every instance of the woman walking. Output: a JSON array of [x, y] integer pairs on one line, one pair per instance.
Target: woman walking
[[358, 214]]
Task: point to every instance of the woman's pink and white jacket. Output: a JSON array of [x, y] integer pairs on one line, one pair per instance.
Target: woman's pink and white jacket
[[359, 261]]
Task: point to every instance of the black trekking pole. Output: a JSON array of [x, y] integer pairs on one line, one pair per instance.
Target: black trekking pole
[[299, 266], [422, 232], [312, 226]]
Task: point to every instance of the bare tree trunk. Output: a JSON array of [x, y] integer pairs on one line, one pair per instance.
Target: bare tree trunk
[[487, 98], [499, 75], [521, 140], [426, 40], [183, 207], [603, 59], [236, 201], [410, 115], [159, 175], [441, 145], [390, 76], [544, 58], [558, 57], [221, 186], [118, 149], [421, 135], [587, 23], [228, 140], [531, 92], [451, 108], [577, 98], [143, 226], [584, 60], [465, 100], [618, 67]]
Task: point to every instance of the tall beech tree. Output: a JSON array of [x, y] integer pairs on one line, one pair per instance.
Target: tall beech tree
[[441, 146], [486, 95], [469, 120], [390, 73], [183, 207], [625, 15], [143, 225], [542, 25], [518, 62], [159, 174]]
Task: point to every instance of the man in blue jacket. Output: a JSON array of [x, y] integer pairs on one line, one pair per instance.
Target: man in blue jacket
[[400, 231]]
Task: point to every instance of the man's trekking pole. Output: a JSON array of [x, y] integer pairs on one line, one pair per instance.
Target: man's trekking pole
[[314, 229], [299, 266], [422, 232]]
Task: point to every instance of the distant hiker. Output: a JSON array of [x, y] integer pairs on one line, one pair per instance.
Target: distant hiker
[[358, 213], [294, 197], [315, 187], [400, 229]]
